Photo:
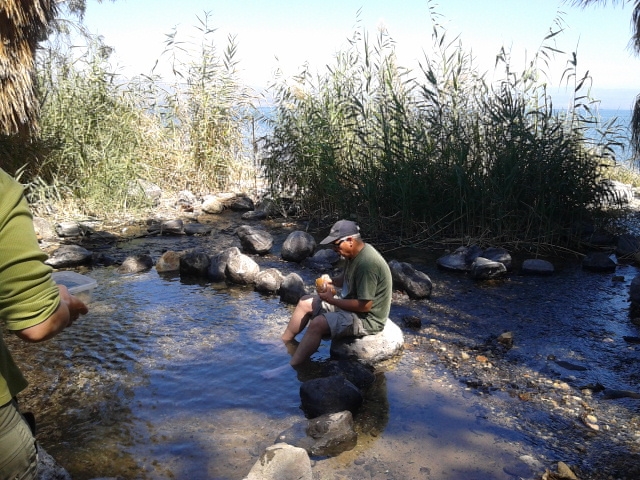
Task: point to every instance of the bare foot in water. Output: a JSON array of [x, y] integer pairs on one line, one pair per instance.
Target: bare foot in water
[[292, 346], [275, 372]]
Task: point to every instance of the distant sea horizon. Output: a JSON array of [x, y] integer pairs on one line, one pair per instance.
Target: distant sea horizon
[[623, 120], [622, 116]]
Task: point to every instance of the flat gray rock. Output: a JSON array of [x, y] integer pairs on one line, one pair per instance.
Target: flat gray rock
[[371, 349]]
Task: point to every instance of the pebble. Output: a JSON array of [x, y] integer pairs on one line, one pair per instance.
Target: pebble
[[591, 421]]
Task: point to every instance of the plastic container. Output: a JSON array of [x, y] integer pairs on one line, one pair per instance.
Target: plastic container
[[77, 284]]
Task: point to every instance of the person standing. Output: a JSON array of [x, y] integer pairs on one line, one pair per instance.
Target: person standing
[[355, 303], [34, 308]]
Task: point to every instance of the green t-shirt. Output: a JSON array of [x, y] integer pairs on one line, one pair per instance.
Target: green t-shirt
[[28, 295], [368, 277]]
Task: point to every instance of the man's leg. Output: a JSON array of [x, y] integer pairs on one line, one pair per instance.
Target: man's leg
[[318, 328], [18, 457], [299, 318]]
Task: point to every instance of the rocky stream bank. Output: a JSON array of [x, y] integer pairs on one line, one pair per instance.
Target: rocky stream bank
[[551, 358]]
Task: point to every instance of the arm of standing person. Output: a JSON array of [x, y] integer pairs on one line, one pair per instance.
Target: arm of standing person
[[31, 304], [68, 311]]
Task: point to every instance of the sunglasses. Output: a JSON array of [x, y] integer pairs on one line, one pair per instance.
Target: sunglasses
[[335, 245]]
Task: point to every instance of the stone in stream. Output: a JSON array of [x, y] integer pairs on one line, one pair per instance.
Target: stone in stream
[[269, 280], [69, 256], [537, 266], [136, 264], [168, 262], [329, 395], [495, 261], [326, 435], [292, 289], [298, 246], [254, 240], [485, 269], [217, 271], [194, 264], [282, 462], [242, 269], [415, 283], [599, 262]]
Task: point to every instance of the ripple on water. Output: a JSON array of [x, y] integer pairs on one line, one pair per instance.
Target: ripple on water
[[164, 378]]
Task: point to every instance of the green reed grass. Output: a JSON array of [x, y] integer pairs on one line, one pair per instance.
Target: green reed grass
[[414, 157], [101, 133], [440, 154]]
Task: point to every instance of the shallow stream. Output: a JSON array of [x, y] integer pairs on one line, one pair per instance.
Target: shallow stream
[[163, 379]]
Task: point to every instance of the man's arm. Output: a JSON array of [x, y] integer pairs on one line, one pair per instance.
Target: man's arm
[[349, 304], [337, 281], [68, 311]]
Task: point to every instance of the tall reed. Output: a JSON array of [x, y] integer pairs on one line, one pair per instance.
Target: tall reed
[[442, 154], [103, 135]]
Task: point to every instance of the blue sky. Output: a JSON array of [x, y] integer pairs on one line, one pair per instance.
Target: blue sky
[[284, 34]]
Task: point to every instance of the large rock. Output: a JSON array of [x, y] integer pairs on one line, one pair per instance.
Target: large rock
[[282, 462], [326, 435], [329, 395], [69, 256], [269, 280], [323, 260], [254, 215], [463, 258], [186, 200], [263, 210], [537, 266], [497, 254], [217, 271], [485, 269], [240, 203], [456, 261], [242, 269], [136, 264], [361, 375], [169, 227], [254, 240], [415, 283], [471, 253], [298, 246], [292, 288], [197, 228], [599, 262], [194, 264], [212, 205], [72, 229], [371, 349], [48, 468], [628, 246], [634, 290], [44, 230], [169, 261]]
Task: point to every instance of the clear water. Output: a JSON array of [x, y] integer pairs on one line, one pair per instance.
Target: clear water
[[163, 379]]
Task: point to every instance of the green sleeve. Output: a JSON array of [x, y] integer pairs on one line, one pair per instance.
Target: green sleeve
[[28, 295]]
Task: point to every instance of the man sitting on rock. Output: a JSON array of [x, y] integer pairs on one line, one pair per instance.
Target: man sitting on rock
[[362, 305]]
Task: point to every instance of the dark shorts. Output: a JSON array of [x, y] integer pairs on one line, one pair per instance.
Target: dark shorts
[[18, 456], [341, 322]]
